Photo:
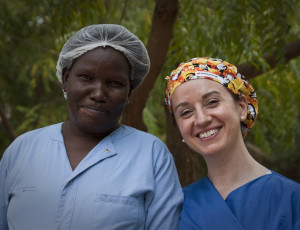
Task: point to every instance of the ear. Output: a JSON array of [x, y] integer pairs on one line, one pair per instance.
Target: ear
[[243, 105], [130, 91], [130, 88], [65, 76]]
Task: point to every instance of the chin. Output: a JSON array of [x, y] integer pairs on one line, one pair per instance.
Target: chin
[[208, 150], [99, 129]]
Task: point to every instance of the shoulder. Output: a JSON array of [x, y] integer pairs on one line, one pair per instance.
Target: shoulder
[[37, 134], [283, 192], [127, 131], [29, 139], [196, 195], [138, 138], [276, 188], [195, 187], [282, 183], [141, 145]]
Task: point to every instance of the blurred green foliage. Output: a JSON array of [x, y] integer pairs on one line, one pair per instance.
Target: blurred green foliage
[[32, 33]]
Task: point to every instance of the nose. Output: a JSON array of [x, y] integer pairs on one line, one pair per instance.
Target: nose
[[202, 117], [99, 92]]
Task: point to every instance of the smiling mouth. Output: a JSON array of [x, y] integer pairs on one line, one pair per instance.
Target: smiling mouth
[[208, 133], [93, 110]]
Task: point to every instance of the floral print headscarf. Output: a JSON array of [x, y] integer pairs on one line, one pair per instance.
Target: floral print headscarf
[[219, 71]]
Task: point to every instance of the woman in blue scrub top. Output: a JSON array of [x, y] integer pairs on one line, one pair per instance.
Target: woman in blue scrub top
[[214, 108], [91, 172]]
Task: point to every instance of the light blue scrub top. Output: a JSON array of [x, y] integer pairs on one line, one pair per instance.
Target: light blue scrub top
[[128, 181]]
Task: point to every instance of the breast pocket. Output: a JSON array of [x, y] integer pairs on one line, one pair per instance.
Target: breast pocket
[[20, 201], [115, 212], [22, 193]]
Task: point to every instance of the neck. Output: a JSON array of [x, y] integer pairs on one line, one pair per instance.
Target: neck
[[70, 130], [229, 171]]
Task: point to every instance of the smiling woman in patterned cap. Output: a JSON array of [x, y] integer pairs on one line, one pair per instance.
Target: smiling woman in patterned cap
[[214, 107], [91, 172]]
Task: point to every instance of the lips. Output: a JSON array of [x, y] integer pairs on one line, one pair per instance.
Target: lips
[[93, 110]]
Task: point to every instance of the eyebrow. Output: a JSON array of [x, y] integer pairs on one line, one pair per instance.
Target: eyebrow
[[205, 96]]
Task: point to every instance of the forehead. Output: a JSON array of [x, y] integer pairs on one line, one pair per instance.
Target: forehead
[[103, 56], [195, 89]]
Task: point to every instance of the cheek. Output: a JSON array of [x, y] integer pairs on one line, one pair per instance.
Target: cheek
[[117, 108], [119, 97], [231, 117], [75, 91], [118, 103], [226, 111], [73, 99], [184, 126]]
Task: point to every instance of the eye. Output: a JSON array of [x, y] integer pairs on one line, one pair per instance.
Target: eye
[[185, 113], [85, 77], [116, 84], [212, 102]]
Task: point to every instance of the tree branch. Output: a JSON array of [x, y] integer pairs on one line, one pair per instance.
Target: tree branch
[[123, 12], [163, 20], [291, 51]]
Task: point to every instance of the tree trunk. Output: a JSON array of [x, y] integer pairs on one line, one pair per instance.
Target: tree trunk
[[6, 123], [187, 161], [163, 20]]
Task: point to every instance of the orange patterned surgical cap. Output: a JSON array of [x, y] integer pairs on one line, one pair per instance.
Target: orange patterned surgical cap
[[219, 71]]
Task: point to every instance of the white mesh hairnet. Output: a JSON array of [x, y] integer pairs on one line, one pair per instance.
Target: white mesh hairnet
[[101, 35]]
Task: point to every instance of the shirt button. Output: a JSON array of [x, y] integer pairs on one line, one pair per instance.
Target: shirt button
[[107, 150]]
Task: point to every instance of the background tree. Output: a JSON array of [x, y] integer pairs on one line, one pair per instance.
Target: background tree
[[260, 36]]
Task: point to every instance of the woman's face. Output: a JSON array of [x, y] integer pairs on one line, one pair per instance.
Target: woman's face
[[97, 88], [207, 116]]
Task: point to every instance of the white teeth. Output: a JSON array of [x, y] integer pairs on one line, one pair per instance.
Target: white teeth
[[208, 134]]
